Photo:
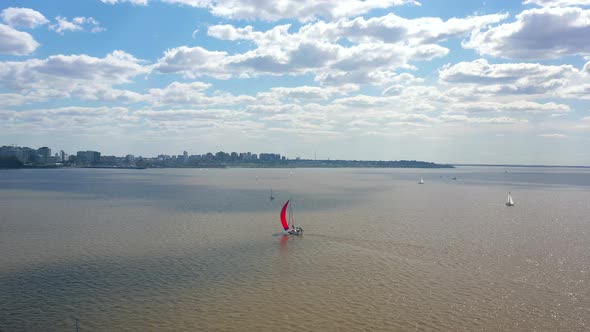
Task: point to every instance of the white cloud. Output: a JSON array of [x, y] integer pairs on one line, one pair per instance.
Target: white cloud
[[279, 53], [554, 135], [66, 119], [193, 93], [23, 17], [135, 2], [507, 78], [576, 91], [15, 42], [557, 3], [76, 24], [394, 29], [60, 76], [515, 106], [377, 47], [389, 29], [12, 99], [481, 120], [538, 33], [310, 93], [193, 62], [302, 10], [106, 93]]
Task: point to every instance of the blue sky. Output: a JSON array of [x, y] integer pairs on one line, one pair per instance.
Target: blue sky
[[445, 81]]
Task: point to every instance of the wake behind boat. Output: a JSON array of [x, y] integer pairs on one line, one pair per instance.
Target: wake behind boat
[[288, 224]]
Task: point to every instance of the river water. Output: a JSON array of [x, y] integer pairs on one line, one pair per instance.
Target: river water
[[201, 249]]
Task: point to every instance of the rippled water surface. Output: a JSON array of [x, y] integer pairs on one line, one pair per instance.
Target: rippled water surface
[[196, 249]]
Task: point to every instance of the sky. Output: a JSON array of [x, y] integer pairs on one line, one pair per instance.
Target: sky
[[504, 82]]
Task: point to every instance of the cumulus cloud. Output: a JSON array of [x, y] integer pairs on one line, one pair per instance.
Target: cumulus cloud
[[554, 135], [521, 106], [182, 94], [23, 17], [76, 24], [557, 3], [377, 47], [12, 99], [279, 52], [60, 76], [387, 29], [13, 42], [310, 93], [507, 78], [538, 33], [71, 118], [302, 10], [193, 62], [135, 2], [393, 29], [481, 120]]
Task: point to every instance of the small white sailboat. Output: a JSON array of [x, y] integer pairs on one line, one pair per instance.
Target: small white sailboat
[[510, 201], [421, 181]]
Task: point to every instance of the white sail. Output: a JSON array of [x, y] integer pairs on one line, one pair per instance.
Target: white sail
[[421, 181], [510, 201]]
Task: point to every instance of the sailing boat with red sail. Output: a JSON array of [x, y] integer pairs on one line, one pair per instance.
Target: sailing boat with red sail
[[288, 221]]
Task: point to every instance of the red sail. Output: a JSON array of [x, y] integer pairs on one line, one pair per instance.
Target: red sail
[[284, 216]]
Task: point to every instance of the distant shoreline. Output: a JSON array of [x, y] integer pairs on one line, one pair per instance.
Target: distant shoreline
[[517, 165], [319, 164], [301, 163]]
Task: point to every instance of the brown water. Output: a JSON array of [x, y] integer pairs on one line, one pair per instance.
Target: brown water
[[190, 249]]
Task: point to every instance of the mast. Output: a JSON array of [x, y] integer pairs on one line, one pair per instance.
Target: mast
[[291, 218]]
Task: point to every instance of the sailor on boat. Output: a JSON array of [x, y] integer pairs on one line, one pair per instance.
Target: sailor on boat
[[295, 231]]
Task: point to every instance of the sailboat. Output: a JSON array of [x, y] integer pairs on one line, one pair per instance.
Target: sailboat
[[421, 181], [288, 222], [510, 201], [271, 196]]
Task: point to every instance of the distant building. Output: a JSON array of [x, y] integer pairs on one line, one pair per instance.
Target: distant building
[[269, 157], [88, 157], [25, 155], [245, 155], [44, 154], [109, 160], [63, 156]]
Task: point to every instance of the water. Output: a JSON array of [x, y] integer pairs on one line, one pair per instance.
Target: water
[[192, 249]]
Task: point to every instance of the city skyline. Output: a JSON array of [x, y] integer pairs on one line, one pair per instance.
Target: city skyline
[[450, 82], [26, 157]]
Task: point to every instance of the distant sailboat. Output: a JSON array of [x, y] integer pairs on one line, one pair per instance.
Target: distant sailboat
[[421, 181], [271, 196], [510, 201], [290, 221]]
